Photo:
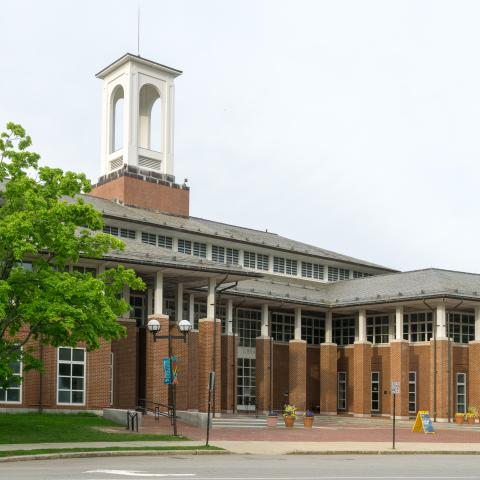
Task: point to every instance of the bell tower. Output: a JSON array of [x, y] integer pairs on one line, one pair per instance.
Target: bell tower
[[137, 136]]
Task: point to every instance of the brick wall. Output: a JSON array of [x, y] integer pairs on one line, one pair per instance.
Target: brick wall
[[280, 375], [297, 373], [229, 372], [193, 369], [345, 364], [362, 369], [263, 373], [473, 380], [328, 378], [381, 363], [140, 193], [313, 377]]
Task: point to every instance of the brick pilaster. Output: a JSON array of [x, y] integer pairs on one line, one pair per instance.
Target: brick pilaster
[[441, 375], [474, 374], [229, 372], [193, 370], [263, 372], [362, 378], [205, 365], [156, 391], [328, 378], [399, 368], [297, 378]]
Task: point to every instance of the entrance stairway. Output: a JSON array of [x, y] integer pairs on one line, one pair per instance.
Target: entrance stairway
[[239, 421]]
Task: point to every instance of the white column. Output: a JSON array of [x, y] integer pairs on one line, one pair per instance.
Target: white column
[[362, 326], [229, 313], [328, 327], [477, 323], [158, 295], [264, 327], [191, 308], [399, 322], [441, 321], [211, 298], [298, 323], [179, 302]]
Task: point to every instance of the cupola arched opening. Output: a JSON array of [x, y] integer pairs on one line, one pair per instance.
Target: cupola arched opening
[[150, 118], [116, 132]]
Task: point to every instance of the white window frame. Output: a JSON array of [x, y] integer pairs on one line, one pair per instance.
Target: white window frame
[[232, 256], [278, 264], [72, 362], [291, 267], [108, 229], [18, 387], [185, 246], [461, 326], [127, 233], [283, 327], [343, 274], [165, 242], [333, 274], [378, 392], [412, 391], [249, 259], [199, 249], [378, 326], [262, 262], [218, 254], [342, 401], [421, 321], [313, 330], [343, 328], [462, 383], [149, 238]]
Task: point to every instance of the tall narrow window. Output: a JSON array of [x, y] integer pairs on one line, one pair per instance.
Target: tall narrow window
[[13, 394], [462, 392], [412, 392], [342, 390], [71, 376], [116, 142], [375, 391]]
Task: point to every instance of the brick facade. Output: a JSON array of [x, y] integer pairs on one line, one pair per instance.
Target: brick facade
[[263, 372], [328, 378], [399, 368], [297, 373], [229, 372], [362, 378]]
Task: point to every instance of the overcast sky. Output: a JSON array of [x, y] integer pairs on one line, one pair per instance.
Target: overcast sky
[[350, 125]]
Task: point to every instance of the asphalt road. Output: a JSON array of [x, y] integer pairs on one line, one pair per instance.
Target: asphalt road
[[233, 467]]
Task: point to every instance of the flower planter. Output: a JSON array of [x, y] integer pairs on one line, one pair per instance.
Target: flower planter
[[459, 419], [308, 422], [272, 421], [470, 420], [289, 421]]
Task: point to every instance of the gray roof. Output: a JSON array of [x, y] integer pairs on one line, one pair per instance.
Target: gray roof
[[194, 225], [386, 288]]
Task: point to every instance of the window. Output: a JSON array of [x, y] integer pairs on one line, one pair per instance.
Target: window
[[13, 394], [343, 274], [342, 390], [126, 233], [375, 391], [81, 269], [417, 327], [199, 311], [110, 230], [332, 274], [249, 259], [462, 392], [262, 261], [313, 330], [232, 256], [248, 325], [200, 249], [412, 392], [343, 330], [138, 312], [461, 327], [357, 274], [149, 238], [378, 328], [71, 376], [246, 390], [218, 254], [283, 327], [278, 265], [312, 270], [290, 267], [165, 242], [185, 246]]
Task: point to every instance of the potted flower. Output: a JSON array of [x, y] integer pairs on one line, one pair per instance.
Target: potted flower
[[272, 419], [472, 414], [308, 418], [459, 417], [289, 415]]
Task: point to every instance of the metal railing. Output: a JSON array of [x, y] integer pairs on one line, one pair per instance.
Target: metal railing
[[158, 409]]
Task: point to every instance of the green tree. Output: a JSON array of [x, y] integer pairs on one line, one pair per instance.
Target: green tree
[[45, 226]]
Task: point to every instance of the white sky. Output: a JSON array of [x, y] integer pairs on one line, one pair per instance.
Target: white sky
[[351, 125]]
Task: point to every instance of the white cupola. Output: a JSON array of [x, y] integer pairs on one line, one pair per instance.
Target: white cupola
[[137, 115]]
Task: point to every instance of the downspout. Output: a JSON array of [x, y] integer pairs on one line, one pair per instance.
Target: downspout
[[40, 383]]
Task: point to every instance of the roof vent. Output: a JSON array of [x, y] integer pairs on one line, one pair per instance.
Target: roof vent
[[400, 294]]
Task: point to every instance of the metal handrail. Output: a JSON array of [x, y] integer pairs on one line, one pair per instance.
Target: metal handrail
[[156, 407]]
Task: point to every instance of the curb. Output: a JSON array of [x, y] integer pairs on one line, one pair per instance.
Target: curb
[[118, 453], [385, 452]]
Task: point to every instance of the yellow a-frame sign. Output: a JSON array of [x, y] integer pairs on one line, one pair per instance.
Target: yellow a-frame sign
[[423, 422]]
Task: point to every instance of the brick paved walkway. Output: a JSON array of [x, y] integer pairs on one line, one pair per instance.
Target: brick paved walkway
[[324, 431]]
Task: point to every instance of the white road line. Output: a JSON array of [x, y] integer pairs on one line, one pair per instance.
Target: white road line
[[135, 473]]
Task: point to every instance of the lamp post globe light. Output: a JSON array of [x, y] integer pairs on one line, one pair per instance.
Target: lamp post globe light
[[184, 327]]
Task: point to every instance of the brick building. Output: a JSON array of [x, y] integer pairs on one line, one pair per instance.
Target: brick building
[[295, 323]]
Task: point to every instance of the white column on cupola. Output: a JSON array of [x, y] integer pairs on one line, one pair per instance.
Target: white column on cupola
[[211, 298], [362, 326], [399, 322], [328, 327], [298, 323], [158, 294], [265, 322]]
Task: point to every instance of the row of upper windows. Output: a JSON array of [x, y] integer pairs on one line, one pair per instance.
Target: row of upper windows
[[253, 260]]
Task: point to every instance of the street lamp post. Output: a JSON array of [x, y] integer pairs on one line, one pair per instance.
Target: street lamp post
[[184, 326]]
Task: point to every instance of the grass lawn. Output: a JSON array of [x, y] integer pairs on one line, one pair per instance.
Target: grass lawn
[[81, 427], [42, 451]]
